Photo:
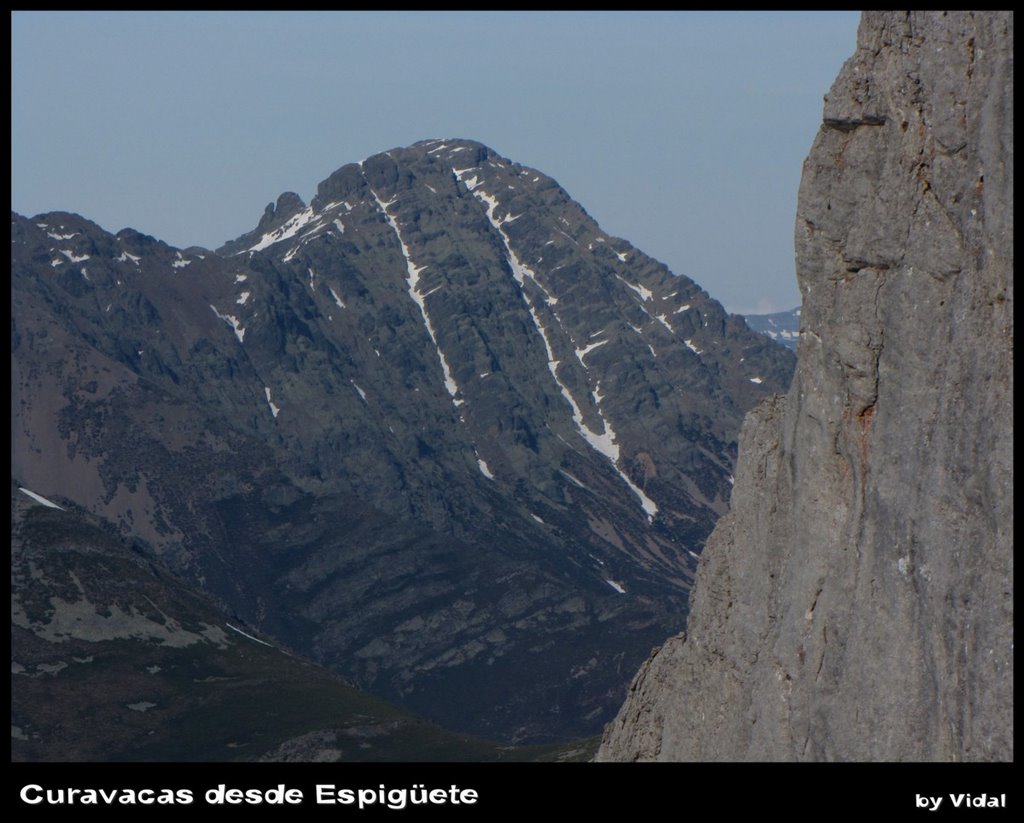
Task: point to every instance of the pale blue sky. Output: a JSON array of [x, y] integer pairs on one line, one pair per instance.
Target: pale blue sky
[[683, 132]]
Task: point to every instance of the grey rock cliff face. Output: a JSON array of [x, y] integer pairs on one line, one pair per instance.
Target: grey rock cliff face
[[856, 604]]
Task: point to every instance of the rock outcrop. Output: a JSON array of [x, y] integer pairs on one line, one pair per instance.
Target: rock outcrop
[[856, 604]]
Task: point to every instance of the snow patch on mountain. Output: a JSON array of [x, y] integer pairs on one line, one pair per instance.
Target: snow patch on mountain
[[126, 256], [643, 292], [40, 499], [581, 353], [232, 321], [274, 410], [246, 634], [413, 283], [289, 229]]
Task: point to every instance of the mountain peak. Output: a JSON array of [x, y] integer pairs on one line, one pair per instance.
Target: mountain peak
[[437, 428], [392, 170]]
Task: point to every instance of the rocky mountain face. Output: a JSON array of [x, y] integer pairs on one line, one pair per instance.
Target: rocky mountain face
[[435, 430], [856, 603], [114, 657], [781, 326]]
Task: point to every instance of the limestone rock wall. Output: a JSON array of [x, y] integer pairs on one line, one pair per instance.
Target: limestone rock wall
[[856, 604]]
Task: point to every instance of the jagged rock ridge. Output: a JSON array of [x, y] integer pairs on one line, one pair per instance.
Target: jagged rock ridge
[[435, 429], [856, 603]]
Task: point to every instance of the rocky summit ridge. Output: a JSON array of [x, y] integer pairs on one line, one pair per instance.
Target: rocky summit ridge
[[436, 430], [856, 603]]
